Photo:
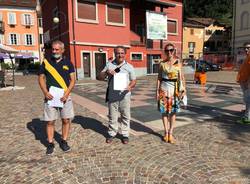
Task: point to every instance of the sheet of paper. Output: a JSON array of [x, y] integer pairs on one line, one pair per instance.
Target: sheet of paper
[[57, 94], [120, 81]]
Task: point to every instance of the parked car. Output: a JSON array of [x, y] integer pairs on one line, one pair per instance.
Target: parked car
[[208, 66]]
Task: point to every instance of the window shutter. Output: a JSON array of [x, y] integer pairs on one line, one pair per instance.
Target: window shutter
[[11, 18], [23, 19], [115, 14], [18, 39], [24, 39], [31, 20], [9, 40], [14, 17], [86, 10], [33, 39]]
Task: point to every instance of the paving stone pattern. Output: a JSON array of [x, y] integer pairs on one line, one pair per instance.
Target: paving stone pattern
[[215, 151]]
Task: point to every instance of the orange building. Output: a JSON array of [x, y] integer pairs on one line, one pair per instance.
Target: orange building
[[20, 30]]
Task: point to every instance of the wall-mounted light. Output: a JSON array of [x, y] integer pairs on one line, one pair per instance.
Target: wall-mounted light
[[100, 49]]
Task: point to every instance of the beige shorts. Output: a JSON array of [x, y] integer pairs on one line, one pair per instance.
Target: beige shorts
[[54, 113]]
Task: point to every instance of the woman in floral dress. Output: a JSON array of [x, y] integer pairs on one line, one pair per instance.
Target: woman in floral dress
[[170, 89]]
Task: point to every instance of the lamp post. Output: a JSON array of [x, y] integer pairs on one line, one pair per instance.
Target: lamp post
[[11, 55], [56, 20]]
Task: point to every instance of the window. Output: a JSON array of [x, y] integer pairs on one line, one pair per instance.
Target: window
[[209, 32], [40, 22], [29, 39], [191, 31], [225, 43], [1, 17], [136, 56], [191, 46], [172, 26], [87, 10], [41, 38], [219, 44], [27, 20], [11, 18], [13, 39], [115, 14], [244, 20]]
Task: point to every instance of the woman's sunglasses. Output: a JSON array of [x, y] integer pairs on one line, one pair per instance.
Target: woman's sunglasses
[[169, 50]]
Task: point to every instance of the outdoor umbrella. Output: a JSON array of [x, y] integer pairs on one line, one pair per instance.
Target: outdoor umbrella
[[9, 50]]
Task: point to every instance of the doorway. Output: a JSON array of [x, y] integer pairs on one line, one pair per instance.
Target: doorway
[[100, 62], [86, 64], [153, 63]]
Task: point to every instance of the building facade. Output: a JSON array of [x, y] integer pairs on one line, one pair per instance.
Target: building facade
[[217, 37], [19, 29], [91, 29], [193, 40], [241, 27]]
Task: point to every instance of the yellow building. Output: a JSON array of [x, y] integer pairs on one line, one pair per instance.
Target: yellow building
[[193, 40], [216, 35]]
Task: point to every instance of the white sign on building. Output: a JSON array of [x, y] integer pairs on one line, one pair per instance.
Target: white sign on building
[[156, 26]]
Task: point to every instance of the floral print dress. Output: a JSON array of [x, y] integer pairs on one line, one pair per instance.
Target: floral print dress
[[170, 86]]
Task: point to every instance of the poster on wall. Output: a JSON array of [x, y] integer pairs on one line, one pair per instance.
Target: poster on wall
[[156, 25]]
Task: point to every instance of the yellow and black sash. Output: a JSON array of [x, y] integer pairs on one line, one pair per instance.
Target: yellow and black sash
[[55, 74]]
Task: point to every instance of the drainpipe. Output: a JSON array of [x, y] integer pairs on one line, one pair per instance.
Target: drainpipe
[[233, 39], [73, 30], [161, 41]]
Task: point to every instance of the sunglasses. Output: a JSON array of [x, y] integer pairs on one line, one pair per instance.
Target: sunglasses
[[169, 50]]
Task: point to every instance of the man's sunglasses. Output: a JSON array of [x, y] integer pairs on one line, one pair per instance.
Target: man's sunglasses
[[169, 50]]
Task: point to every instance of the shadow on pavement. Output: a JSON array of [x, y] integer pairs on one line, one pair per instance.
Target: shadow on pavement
[[224, 119], [140, 128], [90, 123], [38, 128]]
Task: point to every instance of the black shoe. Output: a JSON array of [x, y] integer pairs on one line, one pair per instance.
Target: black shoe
[[125, 140], [64, 145], [109, 139], [50, 149]]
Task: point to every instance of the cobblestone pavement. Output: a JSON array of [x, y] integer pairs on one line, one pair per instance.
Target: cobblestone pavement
[[212, 151], [204, 103]]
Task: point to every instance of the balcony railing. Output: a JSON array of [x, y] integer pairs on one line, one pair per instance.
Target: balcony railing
[[1, 26]]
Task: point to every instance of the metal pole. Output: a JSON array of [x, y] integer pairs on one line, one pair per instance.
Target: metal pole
[[74, 41], [13, 70]]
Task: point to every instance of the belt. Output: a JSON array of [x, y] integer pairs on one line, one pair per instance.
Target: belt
[[169, 80]]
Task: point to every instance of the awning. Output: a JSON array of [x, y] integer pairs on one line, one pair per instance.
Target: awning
[[162, 3], [27, 55], [4, 56], [7, 49]]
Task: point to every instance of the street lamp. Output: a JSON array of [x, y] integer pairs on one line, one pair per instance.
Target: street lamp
[[57, 21]]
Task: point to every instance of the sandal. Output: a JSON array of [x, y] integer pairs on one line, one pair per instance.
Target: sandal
[[165, 138], [171, 139], [109, 139], [125, 140]]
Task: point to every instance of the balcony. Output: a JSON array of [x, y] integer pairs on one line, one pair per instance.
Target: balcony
[[1, 26]]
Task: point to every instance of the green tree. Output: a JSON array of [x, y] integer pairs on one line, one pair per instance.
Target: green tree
[[220, 10]]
